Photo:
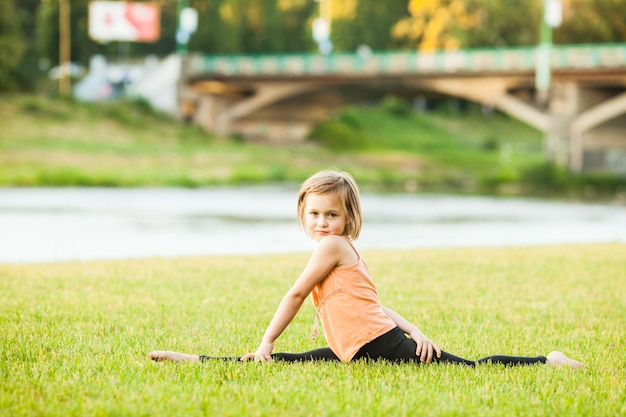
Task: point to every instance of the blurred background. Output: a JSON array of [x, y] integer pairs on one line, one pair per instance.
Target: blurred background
[[467, 98]]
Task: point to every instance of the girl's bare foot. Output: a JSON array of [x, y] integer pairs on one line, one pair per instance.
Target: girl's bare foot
[[165, 355], [559, 359]]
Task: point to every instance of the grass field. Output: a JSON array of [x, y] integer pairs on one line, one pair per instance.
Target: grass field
[[75, 336]]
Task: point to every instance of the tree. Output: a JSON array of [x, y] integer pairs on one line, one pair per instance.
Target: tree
[[12, 45], [29, 29], [370, 25], [83, 47], [253, 26], [498, 23], [451, 24], [28, 70], [213, 34], [592, 21], [436, 24]]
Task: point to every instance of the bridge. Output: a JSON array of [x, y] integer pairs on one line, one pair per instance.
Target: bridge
[[280, 97]]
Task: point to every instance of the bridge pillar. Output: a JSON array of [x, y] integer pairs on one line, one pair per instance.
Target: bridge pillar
[[229, 112], [587, 123], [600, 129], [563, 108], [208, 112]]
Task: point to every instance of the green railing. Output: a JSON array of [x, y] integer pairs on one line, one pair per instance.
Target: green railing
[[589, 56]]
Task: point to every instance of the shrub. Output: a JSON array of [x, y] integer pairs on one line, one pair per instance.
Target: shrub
[[550, 178], [38, 106], [546, 178], [395, 106], [351, 117], [335, 134]]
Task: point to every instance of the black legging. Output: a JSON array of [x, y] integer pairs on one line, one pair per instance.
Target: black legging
[[393, 346]]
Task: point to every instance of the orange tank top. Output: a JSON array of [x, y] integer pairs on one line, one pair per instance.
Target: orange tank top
[[347, 303]]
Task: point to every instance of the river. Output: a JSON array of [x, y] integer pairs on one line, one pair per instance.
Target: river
[[61, 224]]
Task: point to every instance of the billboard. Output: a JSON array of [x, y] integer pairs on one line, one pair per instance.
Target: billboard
[[124, 21]]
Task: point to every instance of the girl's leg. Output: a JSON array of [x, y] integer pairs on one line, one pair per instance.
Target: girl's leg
[[321, 354], [512, 360], [165, 355], [553, 359], [395, 346], [559, 359]]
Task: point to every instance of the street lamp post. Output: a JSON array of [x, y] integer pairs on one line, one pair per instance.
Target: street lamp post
[[181, 42], [551, 18], [186, 24], [321, 27]]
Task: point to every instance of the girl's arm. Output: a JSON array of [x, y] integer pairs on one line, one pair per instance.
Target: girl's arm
[[425, 347], [329, 252]]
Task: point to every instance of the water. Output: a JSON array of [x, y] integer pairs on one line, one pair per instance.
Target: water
[[58, 224]]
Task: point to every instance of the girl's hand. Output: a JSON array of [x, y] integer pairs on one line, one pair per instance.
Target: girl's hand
[[262, 354], [425, 347]]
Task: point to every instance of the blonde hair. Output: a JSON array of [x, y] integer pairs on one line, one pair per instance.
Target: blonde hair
[[341, 183]]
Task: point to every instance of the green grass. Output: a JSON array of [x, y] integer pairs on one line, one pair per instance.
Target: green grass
[[461, 150], [75, 336], [46, 141], [55, 142]]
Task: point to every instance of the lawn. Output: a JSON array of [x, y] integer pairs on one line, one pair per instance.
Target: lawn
[[75, 336]]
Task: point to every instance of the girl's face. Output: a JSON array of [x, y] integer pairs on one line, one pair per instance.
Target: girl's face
[[324, 215]]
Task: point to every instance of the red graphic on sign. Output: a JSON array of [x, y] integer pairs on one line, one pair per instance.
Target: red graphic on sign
[[124, 21], [144, 18]]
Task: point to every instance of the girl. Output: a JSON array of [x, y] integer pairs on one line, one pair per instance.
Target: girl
[[356, 325]]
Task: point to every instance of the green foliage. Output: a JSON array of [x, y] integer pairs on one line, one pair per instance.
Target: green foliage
[[550, 179], [238, 26], [491, 143], [599, 184], [493, 183], [29, 30], [502, 24], [224, 26], [272, 172], [337, 133], [75, 336], [12, 45], [83, 47], [593, 21], [547, 178], [38, 106], [462, 151], [395, 106], [350, 116], [131, 112], [371, 25]]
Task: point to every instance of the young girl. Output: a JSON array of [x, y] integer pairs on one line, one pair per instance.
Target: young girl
[[356, 325]]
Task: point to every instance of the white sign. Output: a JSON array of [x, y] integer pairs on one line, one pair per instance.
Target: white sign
[[124, 21]]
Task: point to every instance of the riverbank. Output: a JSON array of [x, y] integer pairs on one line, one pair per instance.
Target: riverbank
[[389, 147]]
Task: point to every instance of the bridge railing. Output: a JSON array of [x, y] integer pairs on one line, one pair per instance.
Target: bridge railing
[[590, 56]]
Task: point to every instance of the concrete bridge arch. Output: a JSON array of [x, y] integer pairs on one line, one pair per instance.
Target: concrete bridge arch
[[307, 96], [281, 97]]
